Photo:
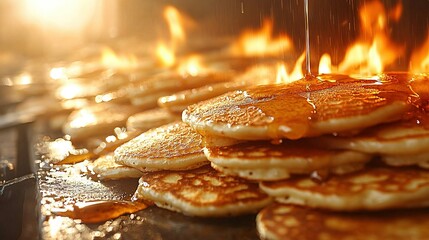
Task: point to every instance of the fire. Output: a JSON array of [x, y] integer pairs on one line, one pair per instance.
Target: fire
[[284, 77], [177, 22], [165, 55], [420, 58], [325, 65], [110, 59], [373, 50], [261, 43], [191, 66]]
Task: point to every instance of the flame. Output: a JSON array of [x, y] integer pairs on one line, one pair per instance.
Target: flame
[[191, 66], [165, 55], [420, 58], [374, 50], [325, 64], [110, 59], [177, 22], [261, 43], [284, 77]]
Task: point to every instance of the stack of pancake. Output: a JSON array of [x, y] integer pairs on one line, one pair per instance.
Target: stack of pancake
[[337, 144]]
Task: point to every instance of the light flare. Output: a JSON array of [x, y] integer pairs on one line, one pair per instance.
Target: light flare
[[165, 55]]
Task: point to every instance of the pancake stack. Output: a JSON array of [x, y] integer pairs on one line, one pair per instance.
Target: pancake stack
[[344, 146]]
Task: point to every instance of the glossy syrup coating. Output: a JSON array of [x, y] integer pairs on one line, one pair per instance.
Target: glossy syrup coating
[[303, 108]]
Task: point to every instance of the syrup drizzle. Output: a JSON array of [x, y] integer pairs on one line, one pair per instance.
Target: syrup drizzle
[[99, 211]]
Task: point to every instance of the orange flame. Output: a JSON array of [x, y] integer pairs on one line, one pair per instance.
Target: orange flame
[[177, 22], [165, 55], [420, 58], [284, 77], [261, 42], [374, 51], [110, 59], [325, 64], [192, 66]]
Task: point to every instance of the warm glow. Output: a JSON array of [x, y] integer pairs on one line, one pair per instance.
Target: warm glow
[[165, 55], [191, 66], [284, 77], [374, 50], [110, 59], [175, 23], [58, 73], [261, 43], [69, 15], [325, 65], [84, 118], [420, 59], [70, 90], [23, 79]]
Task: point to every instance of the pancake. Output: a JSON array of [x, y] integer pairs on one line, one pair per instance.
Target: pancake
[[173, 82], [106, 169], [421, 160], [173, 146], [179, 101], [201, 192], [287, 222], [97, 119], [146, 120], [399, 143], [263, 160], [257, 75], [149, 100], [375, 188], [305, 108]]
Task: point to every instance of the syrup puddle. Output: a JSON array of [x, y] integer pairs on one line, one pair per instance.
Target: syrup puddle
[[99, 211]]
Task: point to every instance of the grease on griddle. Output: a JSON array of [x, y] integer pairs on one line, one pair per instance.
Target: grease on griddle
[[99, 211]]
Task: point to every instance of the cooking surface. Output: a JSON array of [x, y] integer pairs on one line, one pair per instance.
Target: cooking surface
[[63, 186]]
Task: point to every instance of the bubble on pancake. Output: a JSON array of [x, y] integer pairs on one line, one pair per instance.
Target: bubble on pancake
[[97, 119], [146, 120], [263, 160], [281, 221], [106, 169], [202, 192], [301, 109], [375, 188], [173, 146]]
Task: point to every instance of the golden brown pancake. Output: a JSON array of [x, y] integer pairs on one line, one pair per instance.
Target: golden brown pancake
[[173, 82], [256, 75], [178, 102], [399, 138], [263, 160], [97, 119], [106, 169], [375, 188], [146, 120], [305, 108], [173, 146], [201, 192], [288, 222]]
